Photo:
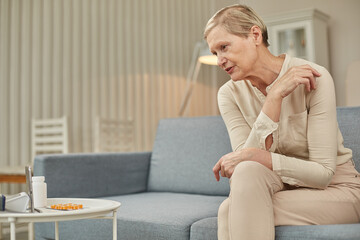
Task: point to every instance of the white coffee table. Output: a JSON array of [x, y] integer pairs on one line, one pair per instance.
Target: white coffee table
[[92, 208]]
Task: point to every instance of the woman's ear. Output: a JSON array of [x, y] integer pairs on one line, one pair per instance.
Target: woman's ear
[[256, 34]]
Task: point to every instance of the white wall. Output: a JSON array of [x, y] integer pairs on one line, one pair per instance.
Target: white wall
[[344, 31]]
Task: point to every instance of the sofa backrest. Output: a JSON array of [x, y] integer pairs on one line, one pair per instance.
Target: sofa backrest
[[184, 153], [349, 124], [186, 149]]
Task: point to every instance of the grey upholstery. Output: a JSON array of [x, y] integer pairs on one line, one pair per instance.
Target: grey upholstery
[[148, 215], [206, 229], [324, 232], [184, 153], [169, 193], [349, 124], [93, 175]]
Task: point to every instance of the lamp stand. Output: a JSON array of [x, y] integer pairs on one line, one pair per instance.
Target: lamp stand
[[191, 78]]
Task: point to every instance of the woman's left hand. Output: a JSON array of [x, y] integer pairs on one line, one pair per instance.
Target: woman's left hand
[[227, 163]]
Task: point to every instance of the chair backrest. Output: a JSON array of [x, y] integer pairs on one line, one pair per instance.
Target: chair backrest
[[113, 135], [352, 84], [49, 136]]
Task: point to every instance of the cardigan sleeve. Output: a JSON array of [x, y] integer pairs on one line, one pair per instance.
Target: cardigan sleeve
[[242, 135], [317, 169], [322, 129]]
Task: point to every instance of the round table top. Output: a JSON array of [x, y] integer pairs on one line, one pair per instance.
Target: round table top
[[91, 208]]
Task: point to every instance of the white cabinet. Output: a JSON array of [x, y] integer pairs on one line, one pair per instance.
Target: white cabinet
[[301, 33]]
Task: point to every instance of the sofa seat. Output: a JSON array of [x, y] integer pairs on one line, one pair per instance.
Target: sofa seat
[[149, 215], [318, 232], [206, 229]]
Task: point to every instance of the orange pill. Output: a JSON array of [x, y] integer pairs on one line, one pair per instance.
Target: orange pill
[[67, 206]]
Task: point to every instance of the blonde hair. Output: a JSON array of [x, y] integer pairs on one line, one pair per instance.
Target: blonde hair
[[238, 20]]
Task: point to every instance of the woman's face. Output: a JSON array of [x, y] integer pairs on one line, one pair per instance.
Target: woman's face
[[236, 55]]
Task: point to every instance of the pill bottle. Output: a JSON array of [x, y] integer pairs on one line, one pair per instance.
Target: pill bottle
[[39, 191]]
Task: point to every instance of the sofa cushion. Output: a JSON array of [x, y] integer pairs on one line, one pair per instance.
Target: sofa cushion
[[93, 174], [318, 232], [184, 153], [150, 216], [206, 229], [349, 124], [75, 230]]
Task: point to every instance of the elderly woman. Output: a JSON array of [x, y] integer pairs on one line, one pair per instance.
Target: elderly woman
[[288, 165]]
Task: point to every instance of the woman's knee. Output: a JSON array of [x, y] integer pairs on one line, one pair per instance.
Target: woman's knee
[[248, 169], [252, 174], [223, 211]]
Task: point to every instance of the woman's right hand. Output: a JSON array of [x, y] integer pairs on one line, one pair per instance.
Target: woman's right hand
[[294, 77]]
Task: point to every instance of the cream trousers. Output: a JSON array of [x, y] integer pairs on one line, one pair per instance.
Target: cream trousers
[[259, 200]]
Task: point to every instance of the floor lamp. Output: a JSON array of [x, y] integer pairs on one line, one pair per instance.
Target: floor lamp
[[201, 55]]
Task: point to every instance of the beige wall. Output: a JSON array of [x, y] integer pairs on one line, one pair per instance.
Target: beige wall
[[344, 31], [117, 59]]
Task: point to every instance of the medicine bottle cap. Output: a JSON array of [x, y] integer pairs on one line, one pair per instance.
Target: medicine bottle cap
[[38, 179]]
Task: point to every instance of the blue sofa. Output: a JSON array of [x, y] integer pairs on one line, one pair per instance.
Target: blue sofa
[[169, 193]]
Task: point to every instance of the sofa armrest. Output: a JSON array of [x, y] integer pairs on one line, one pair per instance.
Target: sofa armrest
[[93, 175]]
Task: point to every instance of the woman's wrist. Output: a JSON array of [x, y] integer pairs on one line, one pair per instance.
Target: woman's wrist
[[257, 155], [272, 106], [249, 154], [274, 96]]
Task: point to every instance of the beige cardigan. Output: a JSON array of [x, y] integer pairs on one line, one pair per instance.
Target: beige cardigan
[[307, 143]]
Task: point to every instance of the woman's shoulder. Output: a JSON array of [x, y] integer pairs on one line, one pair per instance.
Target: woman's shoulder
[[236, 92], [231, 86], [294, 61], [325, 75]]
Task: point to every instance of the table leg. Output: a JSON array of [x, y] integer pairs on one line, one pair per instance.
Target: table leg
[[12, 229], [31, 231], [1, 230], [56, 230], [114, 225]]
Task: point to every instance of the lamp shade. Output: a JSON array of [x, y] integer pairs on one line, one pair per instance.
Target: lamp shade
[[205, 56]]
